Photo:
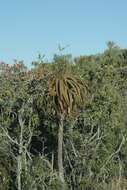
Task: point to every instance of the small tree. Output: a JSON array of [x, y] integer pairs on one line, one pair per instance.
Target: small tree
[[66, 93]]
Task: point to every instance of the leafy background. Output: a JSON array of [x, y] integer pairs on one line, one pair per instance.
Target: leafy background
[[95, 135]]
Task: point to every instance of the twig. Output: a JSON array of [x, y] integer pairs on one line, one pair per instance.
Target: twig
[[114, 153]]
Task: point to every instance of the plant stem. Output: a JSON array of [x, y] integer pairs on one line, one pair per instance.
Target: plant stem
[[60, 150]]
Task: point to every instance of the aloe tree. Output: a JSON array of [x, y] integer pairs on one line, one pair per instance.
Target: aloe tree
[[66, 92]]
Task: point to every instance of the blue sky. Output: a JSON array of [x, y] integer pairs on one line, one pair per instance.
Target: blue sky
[[31, 26]]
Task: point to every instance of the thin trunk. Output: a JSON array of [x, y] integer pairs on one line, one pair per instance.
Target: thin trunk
[[19, 171], [60, 151], [52, 161], [19, 159]]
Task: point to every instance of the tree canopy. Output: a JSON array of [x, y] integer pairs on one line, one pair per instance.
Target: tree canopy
[[87, 96]]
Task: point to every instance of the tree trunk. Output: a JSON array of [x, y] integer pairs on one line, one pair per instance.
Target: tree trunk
[[60, 150], [19, 171], [19, 158]]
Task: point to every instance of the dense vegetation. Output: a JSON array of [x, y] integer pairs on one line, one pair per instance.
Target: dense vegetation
[[63, 123]]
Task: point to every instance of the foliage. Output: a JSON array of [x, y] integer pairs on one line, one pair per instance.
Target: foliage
[[95, 134]]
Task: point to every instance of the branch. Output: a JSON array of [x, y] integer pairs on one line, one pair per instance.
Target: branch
[[114, 153], [9, 137]]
